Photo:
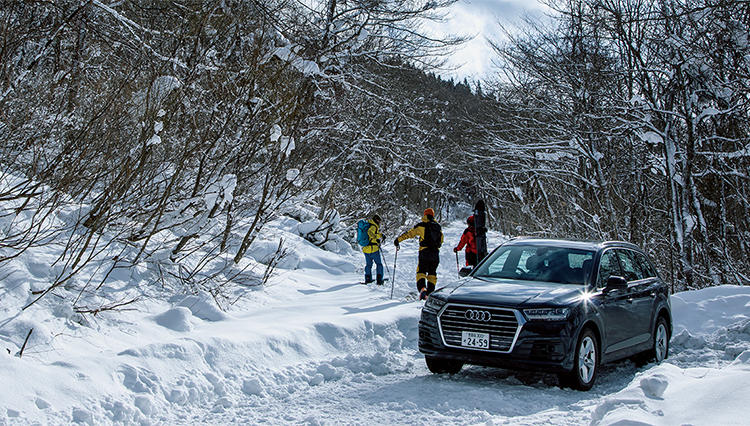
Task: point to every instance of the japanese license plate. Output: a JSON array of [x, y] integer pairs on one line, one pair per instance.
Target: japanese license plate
[[472, 339]]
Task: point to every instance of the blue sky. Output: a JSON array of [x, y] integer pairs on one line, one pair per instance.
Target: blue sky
[[479, 18]]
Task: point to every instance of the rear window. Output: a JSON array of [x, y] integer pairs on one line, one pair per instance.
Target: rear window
[[538, 263]]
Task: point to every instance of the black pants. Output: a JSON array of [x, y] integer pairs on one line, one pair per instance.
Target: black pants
[[427, 270], [471, 258]]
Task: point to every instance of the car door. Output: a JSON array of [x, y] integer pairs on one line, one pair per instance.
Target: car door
[[614, 307], [640, 297], [653, 285]]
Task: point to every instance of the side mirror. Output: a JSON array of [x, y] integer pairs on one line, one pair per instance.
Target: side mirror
[[615, 282], [465, 271]]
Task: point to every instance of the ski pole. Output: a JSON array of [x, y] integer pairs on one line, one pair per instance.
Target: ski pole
[[382, 260], [458, 268], [393, 277]]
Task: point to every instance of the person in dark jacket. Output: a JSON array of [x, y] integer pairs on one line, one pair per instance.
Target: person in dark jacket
[[372, 252], [430, 239], [469, 240]]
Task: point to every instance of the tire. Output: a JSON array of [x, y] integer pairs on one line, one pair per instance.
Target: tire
[[442, 365], [659, 350], [585, 363], [660, 344]]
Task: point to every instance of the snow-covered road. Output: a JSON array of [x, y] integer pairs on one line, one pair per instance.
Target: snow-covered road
[[316, 347], [388, 383]]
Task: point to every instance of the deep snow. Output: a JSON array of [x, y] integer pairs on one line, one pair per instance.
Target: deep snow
[[316, 347]]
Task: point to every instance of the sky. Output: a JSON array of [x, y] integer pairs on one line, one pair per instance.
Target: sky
[[479, 19]]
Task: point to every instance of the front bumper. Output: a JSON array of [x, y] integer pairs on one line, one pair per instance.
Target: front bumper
[[540, 346]]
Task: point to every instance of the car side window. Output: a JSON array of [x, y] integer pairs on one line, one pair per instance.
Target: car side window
[[648, 270], [630, 268], [608, 266]]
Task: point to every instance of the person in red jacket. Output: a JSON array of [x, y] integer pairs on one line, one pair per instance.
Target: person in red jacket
[[469, 240]]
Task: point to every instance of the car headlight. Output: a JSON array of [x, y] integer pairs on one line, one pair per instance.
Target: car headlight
[[433, 303], [547, 314]]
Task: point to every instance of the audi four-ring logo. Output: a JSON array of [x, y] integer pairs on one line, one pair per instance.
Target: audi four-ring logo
[[473, 315]]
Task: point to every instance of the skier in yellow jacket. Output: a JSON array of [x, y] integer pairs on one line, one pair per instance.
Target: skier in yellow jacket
[[430, 239]]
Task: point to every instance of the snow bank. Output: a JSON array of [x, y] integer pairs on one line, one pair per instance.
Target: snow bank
[[202, 306], [667, 394], [177, 319], [705, 311], [172, 366], [168, 360], [712, 330], [298, 249]]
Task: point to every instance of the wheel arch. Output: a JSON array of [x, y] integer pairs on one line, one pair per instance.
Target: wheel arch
[[572, 378], [594, 327], [664, 313]]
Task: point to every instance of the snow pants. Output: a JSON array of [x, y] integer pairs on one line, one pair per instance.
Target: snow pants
[[369, 259], [427, 270]]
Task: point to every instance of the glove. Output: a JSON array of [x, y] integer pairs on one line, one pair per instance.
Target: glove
[[455, 249], [395, 243]]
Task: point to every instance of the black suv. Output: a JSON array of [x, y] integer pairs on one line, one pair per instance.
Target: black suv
[[550, 305]]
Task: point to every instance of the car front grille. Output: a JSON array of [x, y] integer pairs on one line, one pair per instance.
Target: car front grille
[[502, 326]]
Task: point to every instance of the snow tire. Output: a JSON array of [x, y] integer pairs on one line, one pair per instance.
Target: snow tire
[[659, 350], [660, 341], [585, 363]]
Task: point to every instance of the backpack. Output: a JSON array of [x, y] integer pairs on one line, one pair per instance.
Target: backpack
[[432, 234], [363, 239]]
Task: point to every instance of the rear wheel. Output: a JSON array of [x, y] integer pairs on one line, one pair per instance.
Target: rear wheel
[[442, 365], [660, 350], [585, 363]]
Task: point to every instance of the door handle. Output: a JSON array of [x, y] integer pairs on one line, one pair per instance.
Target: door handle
[[630, 300]]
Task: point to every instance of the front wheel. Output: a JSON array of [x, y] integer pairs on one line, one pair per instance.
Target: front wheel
[[585, 363], [442, 365]]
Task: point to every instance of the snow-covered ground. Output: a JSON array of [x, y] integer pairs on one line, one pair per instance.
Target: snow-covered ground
[[316, 347]]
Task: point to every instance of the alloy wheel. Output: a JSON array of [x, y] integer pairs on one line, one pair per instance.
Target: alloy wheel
[[660, 342], [587, 359]]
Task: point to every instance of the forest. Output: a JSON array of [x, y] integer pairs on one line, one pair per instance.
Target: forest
[[170, 133]]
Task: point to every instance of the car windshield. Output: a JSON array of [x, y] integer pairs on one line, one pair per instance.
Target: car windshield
[[538, 263]]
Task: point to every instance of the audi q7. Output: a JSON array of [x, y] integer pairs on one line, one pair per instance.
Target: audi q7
[[550, 305]]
